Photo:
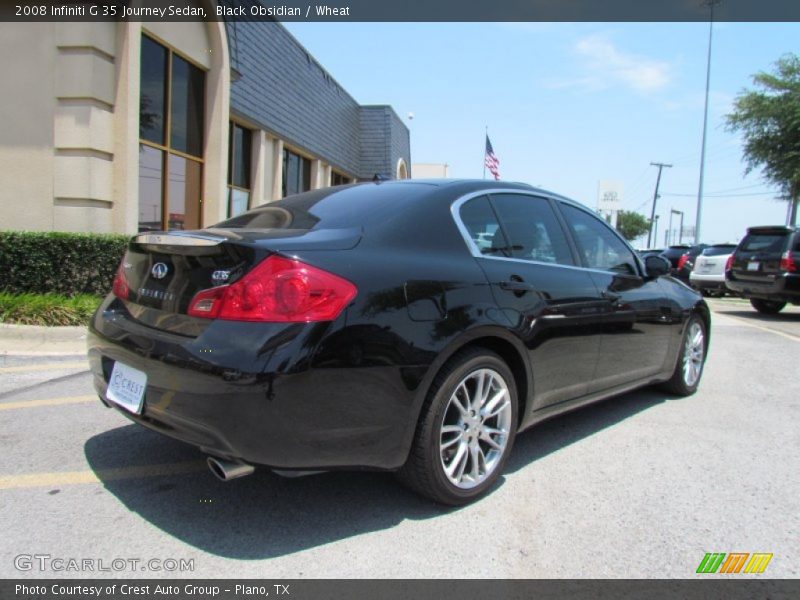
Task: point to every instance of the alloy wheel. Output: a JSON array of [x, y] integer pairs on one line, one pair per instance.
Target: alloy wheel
[[693, 354], [475, 430]]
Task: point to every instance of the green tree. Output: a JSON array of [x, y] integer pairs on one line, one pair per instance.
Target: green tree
[[769, 120], [632, 225]]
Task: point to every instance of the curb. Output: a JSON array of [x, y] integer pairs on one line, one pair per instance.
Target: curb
[[25, 339]]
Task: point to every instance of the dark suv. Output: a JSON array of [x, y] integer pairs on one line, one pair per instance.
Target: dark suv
[[766, 268]]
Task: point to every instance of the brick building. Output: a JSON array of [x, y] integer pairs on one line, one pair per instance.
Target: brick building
[[123, 127]]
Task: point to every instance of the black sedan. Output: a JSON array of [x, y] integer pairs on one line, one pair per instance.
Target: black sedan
[[413, 326]]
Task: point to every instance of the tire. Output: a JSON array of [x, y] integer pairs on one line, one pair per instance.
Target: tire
[[691, 359], [450, 436], [767, 307]]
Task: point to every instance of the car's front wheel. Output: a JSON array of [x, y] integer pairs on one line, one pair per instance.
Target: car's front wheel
[[691, 360], [466, 431], [767, 307]]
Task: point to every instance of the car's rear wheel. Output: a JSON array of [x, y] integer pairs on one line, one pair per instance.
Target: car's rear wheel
[[767, 307], [466, 430], [691, 360]]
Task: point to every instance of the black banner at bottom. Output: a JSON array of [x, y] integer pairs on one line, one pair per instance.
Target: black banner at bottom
[[732, 588]]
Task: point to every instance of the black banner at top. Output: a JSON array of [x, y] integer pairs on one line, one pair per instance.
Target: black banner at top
[[401, 11]]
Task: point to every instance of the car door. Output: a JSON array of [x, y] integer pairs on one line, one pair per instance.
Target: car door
[[550, 304], [637, 316]]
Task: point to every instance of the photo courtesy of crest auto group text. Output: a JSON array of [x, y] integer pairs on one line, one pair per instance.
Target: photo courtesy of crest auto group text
[[300, 299]]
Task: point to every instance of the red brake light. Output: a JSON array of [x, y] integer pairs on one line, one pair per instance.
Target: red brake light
[[729, 263], [682, 261], [787, 262], [277, 290], [120, 286]]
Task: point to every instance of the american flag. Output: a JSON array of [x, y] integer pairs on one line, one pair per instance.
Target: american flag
[[491, 161]]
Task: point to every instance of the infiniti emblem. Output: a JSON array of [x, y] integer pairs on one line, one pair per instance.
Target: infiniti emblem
[[159, 270]]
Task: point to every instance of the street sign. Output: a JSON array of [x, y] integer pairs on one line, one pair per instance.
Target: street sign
[[609, 195]]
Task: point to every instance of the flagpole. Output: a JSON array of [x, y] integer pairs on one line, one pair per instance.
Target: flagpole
[[484, 151]]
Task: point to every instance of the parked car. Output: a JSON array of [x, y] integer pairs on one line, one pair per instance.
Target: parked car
[[766, 268], [673, 254], [686, 262], [645, 252], [708, 274], [371, 326]]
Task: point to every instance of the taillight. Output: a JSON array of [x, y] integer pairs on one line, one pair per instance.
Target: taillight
[[277, 290], [787, 262], [682, 261], [729, 263], [120, 286]]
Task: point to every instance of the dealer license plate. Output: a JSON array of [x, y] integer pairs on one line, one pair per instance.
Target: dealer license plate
[[753, 265], [126, 387]]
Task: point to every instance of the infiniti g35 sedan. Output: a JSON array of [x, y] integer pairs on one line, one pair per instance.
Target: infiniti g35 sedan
[[412, 326]]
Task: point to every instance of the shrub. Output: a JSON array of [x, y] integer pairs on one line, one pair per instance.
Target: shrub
[[59, 263], [47, 309]]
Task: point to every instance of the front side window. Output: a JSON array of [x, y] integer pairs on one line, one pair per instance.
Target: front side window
[[296, 173], [171, 115], [598, 245], [532, 229], [240, 144]]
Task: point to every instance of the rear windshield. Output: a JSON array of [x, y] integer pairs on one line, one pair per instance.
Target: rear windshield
[[330, 208], [719, 250], [765, 242]]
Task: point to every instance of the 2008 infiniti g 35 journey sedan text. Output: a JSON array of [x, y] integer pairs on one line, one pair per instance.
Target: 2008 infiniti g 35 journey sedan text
[[414, 326]]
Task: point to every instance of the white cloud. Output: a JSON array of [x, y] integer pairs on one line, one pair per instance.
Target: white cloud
[[606, 66]]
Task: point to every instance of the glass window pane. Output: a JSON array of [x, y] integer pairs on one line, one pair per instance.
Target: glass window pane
[[152, 95], [305, 175], [597, 242], [481, 223], [532, 228], [183, 193], [239, 202], [187, 107], [241, 158], [291, 173], [151, 177]]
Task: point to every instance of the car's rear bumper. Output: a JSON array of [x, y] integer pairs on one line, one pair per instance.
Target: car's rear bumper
[[708, 281], [258, 397], [783, 288]]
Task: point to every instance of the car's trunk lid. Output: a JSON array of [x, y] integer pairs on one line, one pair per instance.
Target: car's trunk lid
[[165, 270]]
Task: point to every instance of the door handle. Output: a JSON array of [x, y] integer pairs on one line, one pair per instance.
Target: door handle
[[516, 285]]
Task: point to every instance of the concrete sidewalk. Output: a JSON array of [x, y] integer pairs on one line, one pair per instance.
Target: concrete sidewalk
[[35, 340]]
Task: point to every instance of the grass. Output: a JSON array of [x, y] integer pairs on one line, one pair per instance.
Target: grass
[[47, 309]]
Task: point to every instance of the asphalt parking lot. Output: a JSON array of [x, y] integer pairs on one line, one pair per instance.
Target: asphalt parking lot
[[639, 486]]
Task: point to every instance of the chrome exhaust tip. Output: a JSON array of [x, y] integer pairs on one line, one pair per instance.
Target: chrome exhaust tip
[[225, 470]]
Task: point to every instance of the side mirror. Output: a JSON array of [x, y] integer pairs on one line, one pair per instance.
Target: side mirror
[[656, 266]]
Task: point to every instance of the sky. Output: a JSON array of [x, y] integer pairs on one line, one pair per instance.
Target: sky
[[570, 104]]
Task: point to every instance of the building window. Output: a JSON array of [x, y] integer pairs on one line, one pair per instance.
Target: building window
[[239, 146], [339, 179], [171, 115], [296, 173]]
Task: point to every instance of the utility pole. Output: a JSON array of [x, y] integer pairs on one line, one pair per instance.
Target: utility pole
[[655, 198], [710, 4]]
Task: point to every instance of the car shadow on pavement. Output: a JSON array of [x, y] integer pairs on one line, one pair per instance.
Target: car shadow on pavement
[[265, 515]]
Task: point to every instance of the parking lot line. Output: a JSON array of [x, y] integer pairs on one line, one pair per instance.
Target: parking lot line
[[62, 478], [47, 402], [740, 321], [46, 367]]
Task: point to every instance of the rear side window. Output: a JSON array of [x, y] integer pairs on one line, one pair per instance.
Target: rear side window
[[481, 224], [764, 242], [532, 229], [598, 244]]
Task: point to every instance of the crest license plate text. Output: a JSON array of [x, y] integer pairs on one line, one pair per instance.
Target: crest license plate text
[[126, 387]]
